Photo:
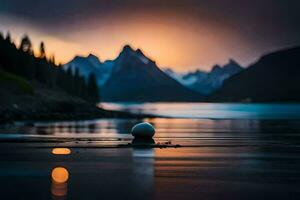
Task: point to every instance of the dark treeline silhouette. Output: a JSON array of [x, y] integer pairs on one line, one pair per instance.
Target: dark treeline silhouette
[[22, 62]]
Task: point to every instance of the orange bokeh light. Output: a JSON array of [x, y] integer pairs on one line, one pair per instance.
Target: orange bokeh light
[[60, 175], [61, 151]]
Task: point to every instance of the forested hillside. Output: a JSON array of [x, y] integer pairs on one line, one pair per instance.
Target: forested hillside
[[21, 61]]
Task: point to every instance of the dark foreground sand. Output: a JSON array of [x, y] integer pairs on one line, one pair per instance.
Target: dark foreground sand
[[218, 159], [34, 171]]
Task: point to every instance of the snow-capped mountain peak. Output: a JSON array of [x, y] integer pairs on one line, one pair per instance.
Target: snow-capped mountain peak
[[133, 73], [90, 64], [207, 82], [181, 77]]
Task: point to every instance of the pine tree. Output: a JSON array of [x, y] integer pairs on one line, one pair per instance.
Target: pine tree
[[22, 62], [42, 50], [8, 37], [77, 86], [8, 54], [27, 60], [26, 45], [93, 90], [52, 59]]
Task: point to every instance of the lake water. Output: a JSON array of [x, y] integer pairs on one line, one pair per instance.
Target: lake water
[[229, 151], [211, 110]]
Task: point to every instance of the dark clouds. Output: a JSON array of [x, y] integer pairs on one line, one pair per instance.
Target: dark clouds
[[265, 24], [262, 16], [53, 10]]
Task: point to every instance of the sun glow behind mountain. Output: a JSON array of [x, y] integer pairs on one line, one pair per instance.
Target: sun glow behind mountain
[[175, 41], [183, 35]]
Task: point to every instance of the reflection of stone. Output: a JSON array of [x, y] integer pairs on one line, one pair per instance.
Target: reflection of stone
[[59, 187], [143, 172], [143, 142], [143, 130]]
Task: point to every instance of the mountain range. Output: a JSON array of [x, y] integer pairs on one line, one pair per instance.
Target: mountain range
[[132, 77], [275, 77], [206, 82], [91, 64]]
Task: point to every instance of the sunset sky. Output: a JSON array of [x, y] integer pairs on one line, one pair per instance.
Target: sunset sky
[[182, 34]]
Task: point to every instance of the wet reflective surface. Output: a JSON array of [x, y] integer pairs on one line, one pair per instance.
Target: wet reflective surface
[[186, 132], [212, 110], [218, 159], [59, 187], [182, 173]]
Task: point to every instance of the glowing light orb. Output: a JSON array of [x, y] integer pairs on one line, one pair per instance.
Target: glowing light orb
[[61, 151], [60, 175]]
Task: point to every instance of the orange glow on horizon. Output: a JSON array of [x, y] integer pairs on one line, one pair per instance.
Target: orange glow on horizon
[[171, 39]]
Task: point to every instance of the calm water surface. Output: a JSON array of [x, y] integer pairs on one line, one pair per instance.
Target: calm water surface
[[229, 151], [212, 110]]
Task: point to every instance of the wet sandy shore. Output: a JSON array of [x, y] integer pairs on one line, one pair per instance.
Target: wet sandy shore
[[218, 159], [28, 172]]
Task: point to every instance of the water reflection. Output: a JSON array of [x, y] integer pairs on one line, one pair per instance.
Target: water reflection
[[60, 176], [137, 173], [143, 142], [143, 170], [180, 131], [212, 110], [59, 187]]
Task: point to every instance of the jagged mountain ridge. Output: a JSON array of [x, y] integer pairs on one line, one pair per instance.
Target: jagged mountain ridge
[[91, 64], [273, 78], [132, 77], [207, 82], [141, 80]]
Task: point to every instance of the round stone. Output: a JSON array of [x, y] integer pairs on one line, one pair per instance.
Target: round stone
[[143, 130]]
